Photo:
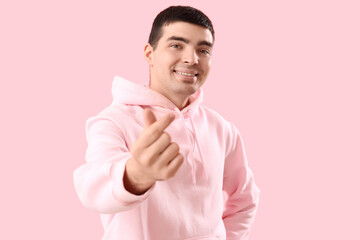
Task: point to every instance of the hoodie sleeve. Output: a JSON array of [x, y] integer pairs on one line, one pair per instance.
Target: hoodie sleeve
[[242, 193], [99, 181]]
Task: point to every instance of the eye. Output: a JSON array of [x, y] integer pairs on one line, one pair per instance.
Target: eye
[[175, 45], [205, 51]]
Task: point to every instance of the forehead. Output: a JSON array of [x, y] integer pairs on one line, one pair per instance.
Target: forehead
[[192, 32]]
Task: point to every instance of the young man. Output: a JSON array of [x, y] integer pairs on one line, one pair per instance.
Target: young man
[[160, 165]]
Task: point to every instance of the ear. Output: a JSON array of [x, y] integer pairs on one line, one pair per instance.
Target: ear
[[148, 52]]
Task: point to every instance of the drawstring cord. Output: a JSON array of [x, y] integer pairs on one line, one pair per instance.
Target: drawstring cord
[[192, 161], [197, 144]]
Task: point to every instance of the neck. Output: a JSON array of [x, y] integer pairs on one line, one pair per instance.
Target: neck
[[181, 102]]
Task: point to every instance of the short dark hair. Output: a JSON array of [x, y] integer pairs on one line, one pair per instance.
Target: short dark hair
[[175, 14]]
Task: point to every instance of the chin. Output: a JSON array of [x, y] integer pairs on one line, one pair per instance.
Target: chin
[[187, 90]]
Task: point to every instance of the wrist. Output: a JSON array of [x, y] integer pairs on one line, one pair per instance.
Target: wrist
[[135, 182]]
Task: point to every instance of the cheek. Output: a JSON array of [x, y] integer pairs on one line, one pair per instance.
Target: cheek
[[206, 65], [166, 57]]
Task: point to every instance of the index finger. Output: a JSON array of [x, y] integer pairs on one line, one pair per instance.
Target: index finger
[[153, 132]]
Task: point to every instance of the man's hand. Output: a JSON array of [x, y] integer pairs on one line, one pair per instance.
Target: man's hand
[[154, 156]]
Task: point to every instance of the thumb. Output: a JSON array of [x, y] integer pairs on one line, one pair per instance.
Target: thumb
[[149, 117]]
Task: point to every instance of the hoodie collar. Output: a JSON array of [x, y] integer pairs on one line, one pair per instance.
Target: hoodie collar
[[131, 93]]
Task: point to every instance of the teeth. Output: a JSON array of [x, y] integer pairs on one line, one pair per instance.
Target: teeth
[[186, 74]]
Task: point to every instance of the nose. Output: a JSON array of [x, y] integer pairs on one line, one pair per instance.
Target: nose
[[190, 57]]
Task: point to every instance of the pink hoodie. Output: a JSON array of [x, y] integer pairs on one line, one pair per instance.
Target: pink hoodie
[[213, 194]]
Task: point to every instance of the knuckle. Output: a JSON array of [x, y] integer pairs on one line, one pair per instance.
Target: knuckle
[[146, 163], [176, 147], [167, 136], [162, 176], [167, 174], [150, 159], [172, 174], [140, 159], [156, 132], [145, 158]]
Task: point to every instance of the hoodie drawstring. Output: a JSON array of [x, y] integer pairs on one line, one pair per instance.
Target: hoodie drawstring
[[197, 144], [192, 160]]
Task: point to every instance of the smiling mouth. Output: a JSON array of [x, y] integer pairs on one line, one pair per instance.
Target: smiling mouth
[[186, 74]]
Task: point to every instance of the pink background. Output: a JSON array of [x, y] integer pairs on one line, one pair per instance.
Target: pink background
[[285, 72]]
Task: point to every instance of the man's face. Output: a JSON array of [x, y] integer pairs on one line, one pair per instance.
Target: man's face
[[181, 61]]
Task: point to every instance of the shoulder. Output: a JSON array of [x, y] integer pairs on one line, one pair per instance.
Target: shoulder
[[228, 129], [119, 115], [212, 114], [116, 112], [215, 118]]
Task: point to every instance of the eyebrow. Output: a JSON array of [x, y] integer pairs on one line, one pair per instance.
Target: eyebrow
[[206, 43]]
